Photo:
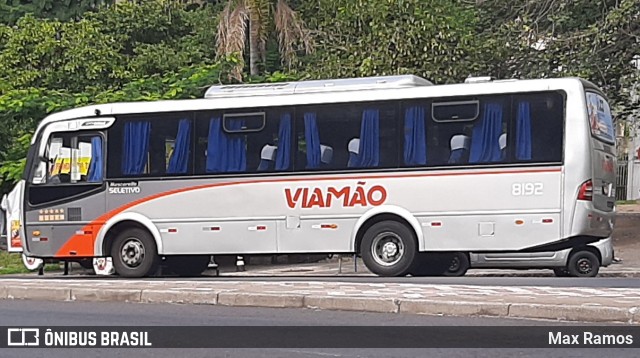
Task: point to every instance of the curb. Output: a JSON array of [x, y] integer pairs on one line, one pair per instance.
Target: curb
[[260, 300], [182, 297], [454, 308], [38, 293], [102, 295], [619, 274], [461, 308], [343, 303], [595, 314]]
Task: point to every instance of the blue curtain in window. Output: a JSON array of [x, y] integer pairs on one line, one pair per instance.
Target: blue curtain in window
[[97, 163], [179, 161], [369, 153], [415, 143], [523, 132], [225, 153], [312, 137], [484, 141], [136, 147], [283, 155]]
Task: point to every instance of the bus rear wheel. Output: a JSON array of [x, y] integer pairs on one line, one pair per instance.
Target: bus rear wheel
[[134, 253], [187, 265], [388, 248], [459, 265], [431, 264]]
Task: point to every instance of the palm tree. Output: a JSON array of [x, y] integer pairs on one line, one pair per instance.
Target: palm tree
[[257, 18]]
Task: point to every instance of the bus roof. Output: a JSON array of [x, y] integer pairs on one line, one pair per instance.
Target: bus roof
[[401, 87], [316, 86]]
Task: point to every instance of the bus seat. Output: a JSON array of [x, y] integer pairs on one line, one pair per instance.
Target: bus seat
[[267, 158], [503, 145], [326, 154], [459, 147], [354, 149]]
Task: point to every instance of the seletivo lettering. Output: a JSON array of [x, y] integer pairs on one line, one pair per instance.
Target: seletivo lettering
[[125, 190]]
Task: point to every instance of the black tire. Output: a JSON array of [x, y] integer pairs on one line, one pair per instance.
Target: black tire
[[388, 248], [583, 264], [187, 265], [561, 272], [458, 266], [134, 253], [431, 264]]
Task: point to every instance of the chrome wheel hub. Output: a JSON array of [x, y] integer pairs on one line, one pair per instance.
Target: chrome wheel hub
[[132, 252], [387, 249]]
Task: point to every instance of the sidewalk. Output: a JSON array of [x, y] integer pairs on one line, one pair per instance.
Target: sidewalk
[[619, 305]]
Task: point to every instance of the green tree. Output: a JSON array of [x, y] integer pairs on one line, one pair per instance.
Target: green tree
[[595, 40], [251, 21], [12, 10], [54, 54], [435, 39]]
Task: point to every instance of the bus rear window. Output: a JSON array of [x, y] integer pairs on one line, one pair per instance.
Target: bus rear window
[[600, 120]]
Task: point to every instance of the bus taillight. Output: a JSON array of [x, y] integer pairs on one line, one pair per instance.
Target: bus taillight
[[586, 191]]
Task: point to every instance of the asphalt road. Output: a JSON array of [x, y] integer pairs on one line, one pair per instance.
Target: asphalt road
[[604, 282], [38, 313]]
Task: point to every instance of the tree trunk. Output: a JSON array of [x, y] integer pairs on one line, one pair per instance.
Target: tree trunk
[[253, 51]]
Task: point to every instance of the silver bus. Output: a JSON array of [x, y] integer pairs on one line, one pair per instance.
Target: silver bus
[[395, 169]]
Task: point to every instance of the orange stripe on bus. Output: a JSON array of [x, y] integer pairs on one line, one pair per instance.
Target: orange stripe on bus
[[84, 245]]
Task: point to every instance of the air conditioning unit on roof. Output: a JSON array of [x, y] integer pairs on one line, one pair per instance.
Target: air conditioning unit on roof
[[335, 85]]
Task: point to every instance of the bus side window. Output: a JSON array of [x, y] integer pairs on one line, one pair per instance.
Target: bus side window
[[151, 145], [487, 129], [538, 131], [355, 136], [236, 142]]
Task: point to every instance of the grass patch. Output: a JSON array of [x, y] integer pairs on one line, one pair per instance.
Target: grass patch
[[626, 202], [11, 263]]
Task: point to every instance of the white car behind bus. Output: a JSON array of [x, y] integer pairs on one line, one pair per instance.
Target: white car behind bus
[[578, 262]]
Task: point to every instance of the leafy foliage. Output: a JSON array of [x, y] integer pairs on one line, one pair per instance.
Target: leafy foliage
[[595, 40], [53, 54], [434, 39], [105, 49], [12, 10]]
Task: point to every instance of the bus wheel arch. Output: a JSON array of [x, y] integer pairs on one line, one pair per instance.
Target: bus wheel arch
[[121, 222], [115, 230], [383, 214], [133, 251]]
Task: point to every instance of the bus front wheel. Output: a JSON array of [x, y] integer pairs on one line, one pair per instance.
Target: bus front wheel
[[388, 248], [134, 253]]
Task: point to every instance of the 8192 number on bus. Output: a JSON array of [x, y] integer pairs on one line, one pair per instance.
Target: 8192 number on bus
[[526, 189]]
